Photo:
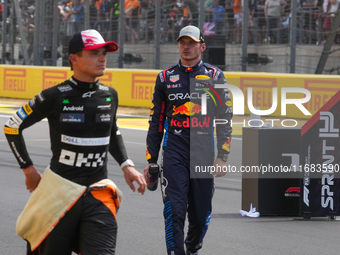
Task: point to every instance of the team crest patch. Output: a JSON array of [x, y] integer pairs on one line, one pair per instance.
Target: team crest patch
[[174, 78]]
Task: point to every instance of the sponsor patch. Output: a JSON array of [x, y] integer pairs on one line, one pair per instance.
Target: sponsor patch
[[101, 87], [104, 107], [16, 119], [22, 114], [40, 97], [73, 108], [79, 141], [103, 117], [11, 131], [174, 78], [72, 117], [32, 102], [202, 77], [72, 158], [28, 109], [65, 88], [10, 123], [88, 94]]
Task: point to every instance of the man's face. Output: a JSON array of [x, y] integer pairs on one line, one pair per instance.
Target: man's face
[[190, 50], [90, 64]]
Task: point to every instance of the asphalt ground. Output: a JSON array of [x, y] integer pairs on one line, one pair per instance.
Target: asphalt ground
[[140, 220]]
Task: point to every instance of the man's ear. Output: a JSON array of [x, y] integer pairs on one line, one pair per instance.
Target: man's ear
[[204, 46], [72, 58]]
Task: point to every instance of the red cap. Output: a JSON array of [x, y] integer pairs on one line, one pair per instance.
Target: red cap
[[90, 40]]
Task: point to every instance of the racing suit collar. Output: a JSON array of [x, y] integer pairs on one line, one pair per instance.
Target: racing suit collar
[[84, 85], [190, 68]]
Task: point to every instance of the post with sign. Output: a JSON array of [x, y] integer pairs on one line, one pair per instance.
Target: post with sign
[[320, 158]]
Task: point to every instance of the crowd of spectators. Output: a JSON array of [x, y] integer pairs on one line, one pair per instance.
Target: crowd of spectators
[[269, 20]]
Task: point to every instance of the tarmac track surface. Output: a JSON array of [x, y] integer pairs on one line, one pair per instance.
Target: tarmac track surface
[[140, 218]]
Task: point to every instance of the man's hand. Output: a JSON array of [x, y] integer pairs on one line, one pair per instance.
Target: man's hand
[[219, 166], [131, 175], [146, 170], [33, 178]]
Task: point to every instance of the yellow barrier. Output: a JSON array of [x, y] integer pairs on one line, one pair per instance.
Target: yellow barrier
[[135, 86]]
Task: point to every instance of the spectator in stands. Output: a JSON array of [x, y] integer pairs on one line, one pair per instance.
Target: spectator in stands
[[103, 18], [252, 34], [113, 20], [329, 8], [171, 28], [132, 12], [78, 11], [144, 10], [68, 17], [190, 13], [273, 10], [319, 22], [93, 13], [238, 16], [309, 21], [230, 21], [260, 24], [217, 16], [207, 16]]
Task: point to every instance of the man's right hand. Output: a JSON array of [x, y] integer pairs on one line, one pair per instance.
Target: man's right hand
[[33, 178]]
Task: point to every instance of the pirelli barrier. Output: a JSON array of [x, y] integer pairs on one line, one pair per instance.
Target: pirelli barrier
[[272, 91], [298, 170]]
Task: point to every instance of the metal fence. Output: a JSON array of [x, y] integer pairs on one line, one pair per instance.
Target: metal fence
[[36, 32]]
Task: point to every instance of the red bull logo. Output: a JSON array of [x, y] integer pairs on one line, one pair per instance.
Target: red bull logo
[[226, 145], [148, 155], [189, 69], [189, 109], [191, 122]]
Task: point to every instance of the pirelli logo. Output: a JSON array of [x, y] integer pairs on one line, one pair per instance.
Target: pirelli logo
[[53, 77], [11, 131], [14, 79], [106, 79], [262, 90], [142, 86], [321, 91]]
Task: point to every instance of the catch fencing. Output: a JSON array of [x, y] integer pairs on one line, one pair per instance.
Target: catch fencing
[[36, 32]]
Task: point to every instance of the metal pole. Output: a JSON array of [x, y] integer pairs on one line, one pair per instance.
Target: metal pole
[[157, 33], [245, 35], [201, 15], [87, 14], [4, 30], [36, 33], [121, 39], [292, 42], [21, 32], [55, 34]]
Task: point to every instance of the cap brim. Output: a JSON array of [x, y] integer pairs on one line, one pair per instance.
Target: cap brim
[[192, 37], [111, 46]]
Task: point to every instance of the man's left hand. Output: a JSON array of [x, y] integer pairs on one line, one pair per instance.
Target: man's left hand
[[220, 167], [131, 175]]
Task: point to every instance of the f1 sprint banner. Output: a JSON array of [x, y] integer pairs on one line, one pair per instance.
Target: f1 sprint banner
[[320, 158]]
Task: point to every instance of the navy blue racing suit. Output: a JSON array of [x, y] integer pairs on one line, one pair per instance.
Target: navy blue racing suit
[[188, 147], [83, 129]]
